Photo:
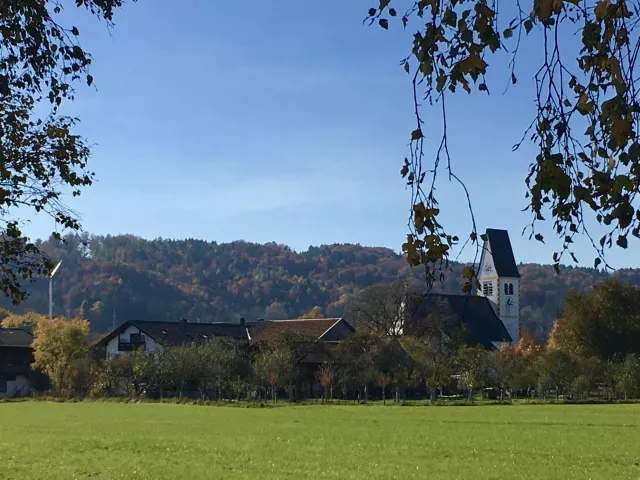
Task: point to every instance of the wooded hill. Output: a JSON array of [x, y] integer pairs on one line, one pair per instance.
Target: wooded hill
[[168, 279]]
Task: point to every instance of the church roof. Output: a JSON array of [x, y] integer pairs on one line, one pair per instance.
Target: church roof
[[502, 253], [475, 313]]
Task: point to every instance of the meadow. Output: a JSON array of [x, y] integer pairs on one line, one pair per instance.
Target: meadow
[[40, 440]]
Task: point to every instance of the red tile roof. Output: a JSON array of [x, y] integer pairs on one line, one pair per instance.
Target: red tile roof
[[272, 329]]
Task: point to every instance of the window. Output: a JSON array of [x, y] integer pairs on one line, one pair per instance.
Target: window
[[135, 338], [487, 289], [511, 289]]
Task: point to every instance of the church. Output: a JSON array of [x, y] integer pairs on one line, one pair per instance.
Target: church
[[491, 316]]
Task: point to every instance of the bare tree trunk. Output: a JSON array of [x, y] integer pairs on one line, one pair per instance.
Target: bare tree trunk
[[432, 394], [384, 396]]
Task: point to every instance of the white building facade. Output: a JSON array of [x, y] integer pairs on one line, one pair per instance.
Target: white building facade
[[499, 280]]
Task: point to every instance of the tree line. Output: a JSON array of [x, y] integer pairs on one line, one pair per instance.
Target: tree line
[[107, 279], [593, 351]]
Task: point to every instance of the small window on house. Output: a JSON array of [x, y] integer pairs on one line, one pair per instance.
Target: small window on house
[[3, 385], [135, 338]]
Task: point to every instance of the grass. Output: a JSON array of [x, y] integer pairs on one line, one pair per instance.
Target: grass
[[42, 440]]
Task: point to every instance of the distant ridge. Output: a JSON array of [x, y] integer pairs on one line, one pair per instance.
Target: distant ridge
[[169, 279]]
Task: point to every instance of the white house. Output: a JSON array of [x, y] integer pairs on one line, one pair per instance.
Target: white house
[[150, 335]]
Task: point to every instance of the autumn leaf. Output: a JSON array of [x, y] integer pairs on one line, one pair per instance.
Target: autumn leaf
[[467, 272]]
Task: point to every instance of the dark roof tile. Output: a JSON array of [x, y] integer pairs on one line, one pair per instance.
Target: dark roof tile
[[272, 329], [474, 312], [15, 337], [502, 253], [170, 333]]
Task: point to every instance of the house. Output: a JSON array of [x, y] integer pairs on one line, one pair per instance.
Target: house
[[16, 356], [150, 335], [328, 330], [492, 315]]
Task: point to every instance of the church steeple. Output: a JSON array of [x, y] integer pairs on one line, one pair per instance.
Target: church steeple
[[500, 280]]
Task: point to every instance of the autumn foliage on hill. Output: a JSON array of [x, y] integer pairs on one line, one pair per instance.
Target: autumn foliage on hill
[[160, 279]]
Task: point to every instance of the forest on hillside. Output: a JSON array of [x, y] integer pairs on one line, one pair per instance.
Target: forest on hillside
[[110, 279]]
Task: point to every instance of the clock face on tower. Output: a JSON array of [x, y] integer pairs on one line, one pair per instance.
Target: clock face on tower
[[487, 268]]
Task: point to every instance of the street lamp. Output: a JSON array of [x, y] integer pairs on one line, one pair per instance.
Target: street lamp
[[53, 272]]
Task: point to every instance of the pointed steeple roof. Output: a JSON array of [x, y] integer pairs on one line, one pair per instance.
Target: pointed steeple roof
[[502, 253]]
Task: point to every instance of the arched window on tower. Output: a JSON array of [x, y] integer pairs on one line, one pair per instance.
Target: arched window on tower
[[510, 289], [506, 289], [487, 289]]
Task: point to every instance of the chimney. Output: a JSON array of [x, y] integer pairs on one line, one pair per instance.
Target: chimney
[[242, 321], [182, 324]]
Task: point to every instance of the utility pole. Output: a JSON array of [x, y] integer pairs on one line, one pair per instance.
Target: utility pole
[[53, 272], [113, 320]]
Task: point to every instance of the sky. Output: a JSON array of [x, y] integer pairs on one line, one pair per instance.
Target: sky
[[285, 121]]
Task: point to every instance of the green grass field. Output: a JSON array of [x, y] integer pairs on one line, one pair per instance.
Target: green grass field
[[163, 441]]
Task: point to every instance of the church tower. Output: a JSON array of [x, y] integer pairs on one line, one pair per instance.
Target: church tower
[[500, 280]]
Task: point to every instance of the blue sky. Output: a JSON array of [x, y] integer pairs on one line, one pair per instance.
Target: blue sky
[[283, 121]]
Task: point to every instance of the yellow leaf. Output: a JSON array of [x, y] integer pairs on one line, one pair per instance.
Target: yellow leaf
[[601, 9], [467, 272], [544, 9], [584, 104], [620, 128]]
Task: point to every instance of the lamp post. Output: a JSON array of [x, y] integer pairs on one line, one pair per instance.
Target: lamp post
[[53, 272]]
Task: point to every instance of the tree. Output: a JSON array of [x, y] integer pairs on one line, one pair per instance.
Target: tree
[[604, 323], [384, 308], [509, 366], [392, 364], [326, 377], [628, 378], [58, 346], [557, 370], [573, 176], [218, 364], [472, 364], [106, 376], [19, 321], [356, 357], [273, 366], [315, 312], [180, 366], [275, 311], [433, 361], [134, 370], [383, 379], [41, 156]]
